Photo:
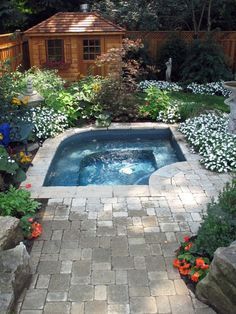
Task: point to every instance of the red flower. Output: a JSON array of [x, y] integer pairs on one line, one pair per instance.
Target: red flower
[[186, 239], [184, 271], [28, 186], [205, 266], [188, 247], [30, 219], [195, 277], [176, 263], [36, 229], [201, 264]]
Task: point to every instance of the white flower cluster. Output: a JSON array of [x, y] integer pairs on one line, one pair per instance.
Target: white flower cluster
[[163, 85], [214, 88], [47, 122], [208, 135], [171, 114]]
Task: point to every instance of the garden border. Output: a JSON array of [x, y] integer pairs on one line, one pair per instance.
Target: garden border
[[159, 180]]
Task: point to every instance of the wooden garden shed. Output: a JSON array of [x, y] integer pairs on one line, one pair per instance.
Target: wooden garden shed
[[71, 41]]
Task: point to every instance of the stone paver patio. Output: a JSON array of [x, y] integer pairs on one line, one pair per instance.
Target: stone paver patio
[[113, 253]]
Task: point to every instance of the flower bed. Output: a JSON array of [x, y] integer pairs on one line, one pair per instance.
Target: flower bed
[[163, 85], [214, 88], [191, 265], [207, 134]]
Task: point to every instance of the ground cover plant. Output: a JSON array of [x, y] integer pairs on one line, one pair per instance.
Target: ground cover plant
[[207, 134]]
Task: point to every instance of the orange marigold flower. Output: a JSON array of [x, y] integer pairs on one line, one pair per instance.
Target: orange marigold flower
[[188, 247], [195, 277]]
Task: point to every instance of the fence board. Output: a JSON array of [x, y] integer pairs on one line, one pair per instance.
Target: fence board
[[11, 49], [155, 40]]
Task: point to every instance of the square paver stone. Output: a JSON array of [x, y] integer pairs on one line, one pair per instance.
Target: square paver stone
[[57, 308], [143, 305], [102, 277], [34, 299], [162, 287], [81, 268], [81, 293], [96, 307], [181, 304], [59, 282], [101, 255], [118, 294], [155, 263], [118, 309], [49, 267], [122, 262], [137, 278], [139, 250], [119, 246]]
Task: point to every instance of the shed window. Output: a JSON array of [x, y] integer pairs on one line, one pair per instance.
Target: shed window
[[55, 50], [92, 48]]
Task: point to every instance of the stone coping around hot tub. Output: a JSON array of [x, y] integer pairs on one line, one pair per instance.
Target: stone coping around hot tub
[[45, 154]]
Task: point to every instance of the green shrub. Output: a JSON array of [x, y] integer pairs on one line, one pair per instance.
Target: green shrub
[[17, 202], [219, 226], [155, 101], [10, 171], [117, 100], [205, 63], [175, 48]]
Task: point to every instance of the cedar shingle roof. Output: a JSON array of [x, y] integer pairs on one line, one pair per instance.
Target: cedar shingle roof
[[75, 22]]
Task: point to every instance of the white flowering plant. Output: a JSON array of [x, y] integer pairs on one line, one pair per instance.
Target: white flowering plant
[[214, 88], [47, 122], [163, 85], [207, 134], [171, 114]]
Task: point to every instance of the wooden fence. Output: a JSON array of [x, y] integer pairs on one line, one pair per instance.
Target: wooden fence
[[155, 40], [11, 49], [15, 49]]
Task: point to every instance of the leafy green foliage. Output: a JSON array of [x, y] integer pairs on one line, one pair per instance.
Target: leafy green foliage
[[10, 171], [26, 225], [17, 202], [205, 63], [219, 226], [85, 92], [155, 101], [175, 48]]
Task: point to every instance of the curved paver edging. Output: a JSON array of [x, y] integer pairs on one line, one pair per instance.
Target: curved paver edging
[[159, 179]]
